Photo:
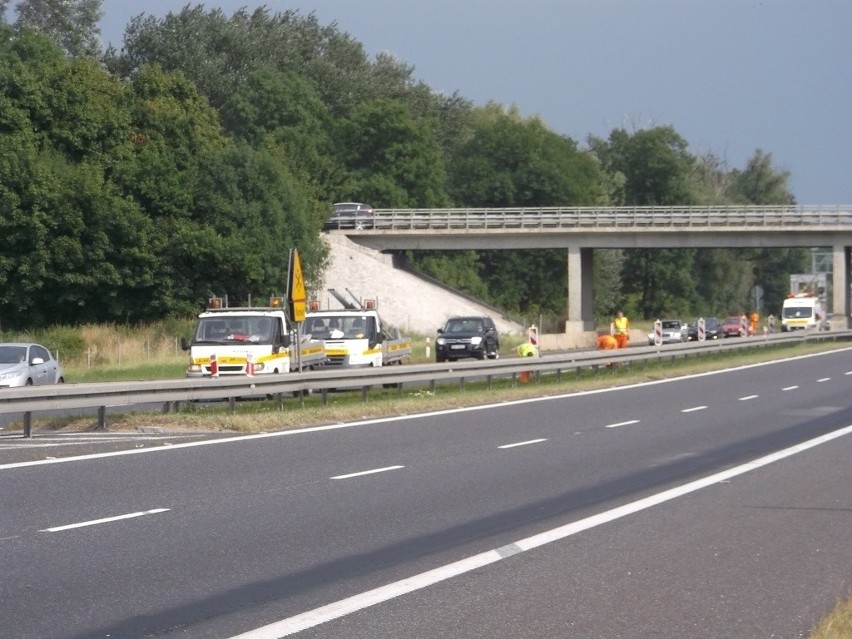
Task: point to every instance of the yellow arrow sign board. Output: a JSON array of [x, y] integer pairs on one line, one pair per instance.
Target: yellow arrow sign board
[[298, 295]]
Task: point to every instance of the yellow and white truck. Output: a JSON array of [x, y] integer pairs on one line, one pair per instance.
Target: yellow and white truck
[[251, 340], [357, 336]]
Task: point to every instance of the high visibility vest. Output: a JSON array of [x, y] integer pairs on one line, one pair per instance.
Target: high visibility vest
[[526, 350], [621, 324]]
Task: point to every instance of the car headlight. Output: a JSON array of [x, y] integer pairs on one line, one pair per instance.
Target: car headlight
[[4, 377], [476, 341], [440, 341]]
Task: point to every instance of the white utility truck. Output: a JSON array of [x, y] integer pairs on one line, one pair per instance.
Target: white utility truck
[[801, 311], [356, 335], [250, 340]]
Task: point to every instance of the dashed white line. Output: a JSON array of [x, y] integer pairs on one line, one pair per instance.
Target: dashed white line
[[748, 397], [368, 472], [526, 443], [786, 388], [823, 379], [627, 423], [106, 520], [693, 409]]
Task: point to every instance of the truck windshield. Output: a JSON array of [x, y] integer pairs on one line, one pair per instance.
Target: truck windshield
[[220, 330], [797, 311], [336, 327]]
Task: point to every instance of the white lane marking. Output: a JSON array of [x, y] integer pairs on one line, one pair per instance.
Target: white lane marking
[[338, 609], [790, 388], [395, 418], [627, 423], [106, 520], [368, 472], [693, 409], [848, 373], [823, 379], [748, 397], [526, 443]]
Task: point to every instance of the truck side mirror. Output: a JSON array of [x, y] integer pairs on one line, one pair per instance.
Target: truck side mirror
[[184, 343], [285, 340]]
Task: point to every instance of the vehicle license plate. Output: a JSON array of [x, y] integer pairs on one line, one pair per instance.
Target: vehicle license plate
[[457, 346]]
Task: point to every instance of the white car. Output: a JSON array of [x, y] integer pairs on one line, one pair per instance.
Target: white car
[[25, 364], [674, 332]]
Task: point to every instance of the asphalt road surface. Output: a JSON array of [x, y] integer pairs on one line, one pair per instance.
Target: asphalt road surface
[[708, 506]]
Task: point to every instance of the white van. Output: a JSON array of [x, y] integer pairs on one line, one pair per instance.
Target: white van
[[801, 312]]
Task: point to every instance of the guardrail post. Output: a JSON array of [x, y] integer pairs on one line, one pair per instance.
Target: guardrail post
[[279, 401], [364, 396], [232, 405], [101, 417], [28, 424]]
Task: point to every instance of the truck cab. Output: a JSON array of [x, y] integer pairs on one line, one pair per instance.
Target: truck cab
[[357, 337], [248, 340]]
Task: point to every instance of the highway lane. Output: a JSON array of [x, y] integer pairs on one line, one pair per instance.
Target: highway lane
[[219, 539]]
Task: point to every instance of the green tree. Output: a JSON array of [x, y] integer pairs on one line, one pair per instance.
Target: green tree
[[761, 183], [394, 160], [282, 111], [71, 24], [218, 53]]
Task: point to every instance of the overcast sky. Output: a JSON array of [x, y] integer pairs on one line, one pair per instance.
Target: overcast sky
[[730, 76]]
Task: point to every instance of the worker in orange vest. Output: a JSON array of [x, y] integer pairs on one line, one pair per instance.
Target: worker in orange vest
[[753, 319]]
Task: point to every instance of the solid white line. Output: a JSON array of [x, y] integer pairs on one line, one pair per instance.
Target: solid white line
[[526, 443], [693, 409], [823, 379], [368, 472], [106, 520], [337, 609], [747, 397], [627, 423], [790, 388]]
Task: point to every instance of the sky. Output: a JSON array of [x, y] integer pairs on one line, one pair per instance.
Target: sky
[[730, 76]]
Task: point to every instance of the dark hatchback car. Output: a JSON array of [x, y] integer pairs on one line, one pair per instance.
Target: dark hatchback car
[[462, 337], [712, 329], [350, 215]]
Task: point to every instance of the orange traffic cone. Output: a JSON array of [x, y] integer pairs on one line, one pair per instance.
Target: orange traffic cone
[[214, 366], [250, 365]]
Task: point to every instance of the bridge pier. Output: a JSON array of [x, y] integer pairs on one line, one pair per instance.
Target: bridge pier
[[581, 314], [840, 306]]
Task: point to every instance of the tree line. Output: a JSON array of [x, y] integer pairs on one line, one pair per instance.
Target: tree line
[[137, 182]]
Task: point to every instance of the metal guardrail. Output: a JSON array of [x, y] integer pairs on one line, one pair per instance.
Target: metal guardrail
[[34, 399], [637, 217]]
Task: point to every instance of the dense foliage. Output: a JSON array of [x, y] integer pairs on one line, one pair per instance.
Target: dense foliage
[[135, 183]]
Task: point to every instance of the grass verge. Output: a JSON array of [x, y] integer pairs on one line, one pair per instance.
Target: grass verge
[[837, 624]]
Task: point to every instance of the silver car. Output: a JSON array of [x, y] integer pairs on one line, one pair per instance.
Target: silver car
[[673, 332], [26, 364], [350, 215]]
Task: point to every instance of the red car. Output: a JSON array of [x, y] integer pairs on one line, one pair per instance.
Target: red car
[[731, 327]]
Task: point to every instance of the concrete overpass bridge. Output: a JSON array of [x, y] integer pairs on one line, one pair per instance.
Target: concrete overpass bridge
[[580, 230]]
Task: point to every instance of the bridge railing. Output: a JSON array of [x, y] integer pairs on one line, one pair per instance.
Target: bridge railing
[[607, 217]]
